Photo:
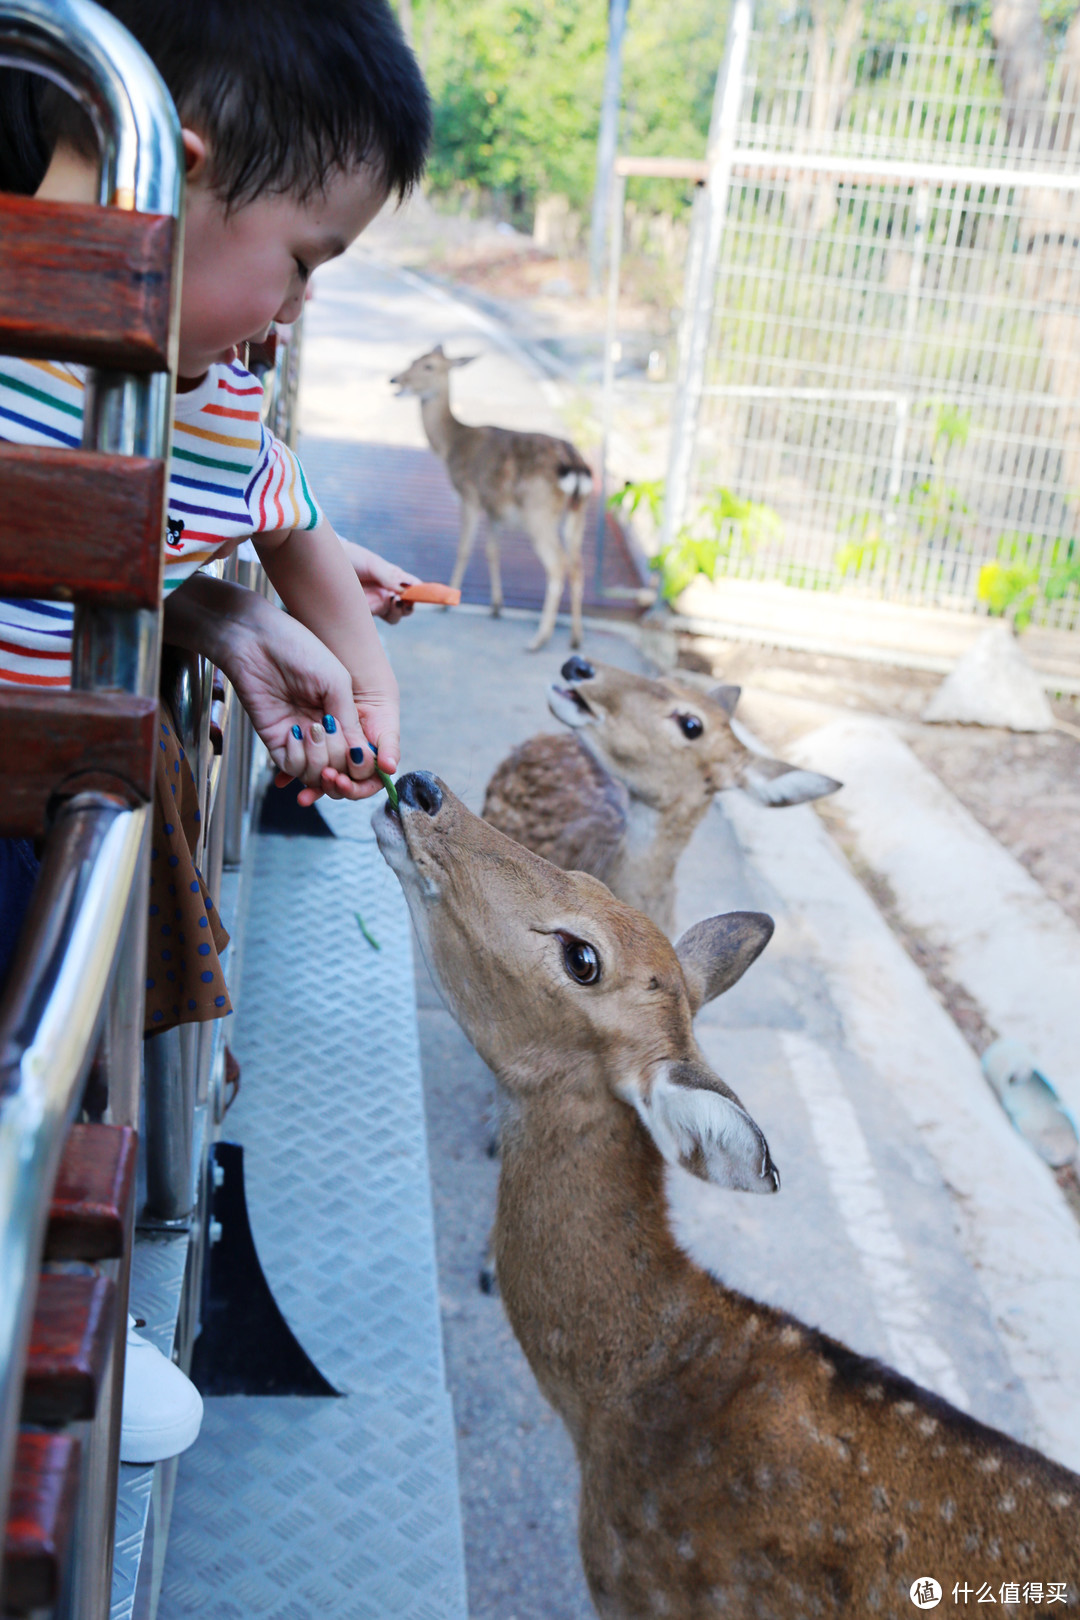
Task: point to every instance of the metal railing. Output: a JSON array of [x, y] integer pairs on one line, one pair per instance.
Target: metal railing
[[86, 928]]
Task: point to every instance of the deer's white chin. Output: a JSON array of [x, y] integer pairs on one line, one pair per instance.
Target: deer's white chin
[[390, 837], [565, 707]]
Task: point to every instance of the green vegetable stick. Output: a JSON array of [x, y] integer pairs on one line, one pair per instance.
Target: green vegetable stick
[[387, 781], [372, 941]]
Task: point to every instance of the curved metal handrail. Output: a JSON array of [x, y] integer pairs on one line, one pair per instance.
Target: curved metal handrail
[[54, 1005], [93, 57], [50, 1018]]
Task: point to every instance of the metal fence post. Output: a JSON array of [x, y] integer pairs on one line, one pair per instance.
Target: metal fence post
[[616, 218], [706, 233]]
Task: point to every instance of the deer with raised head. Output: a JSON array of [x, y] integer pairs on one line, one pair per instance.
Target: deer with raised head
[[733, 1461], [539, 481], [621, 792]]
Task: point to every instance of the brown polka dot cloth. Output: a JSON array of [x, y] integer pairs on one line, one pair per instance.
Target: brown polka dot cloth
[[184, 981]]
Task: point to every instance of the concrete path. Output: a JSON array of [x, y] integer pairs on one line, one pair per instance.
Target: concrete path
[[368, 319], [913, 1223]]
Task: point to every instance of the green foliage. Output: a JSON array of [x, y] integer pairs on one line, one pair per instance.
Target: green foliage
[[647, 493], [1009, 589], [951, 426], [1027, 567], [517, 87], [722, 524]]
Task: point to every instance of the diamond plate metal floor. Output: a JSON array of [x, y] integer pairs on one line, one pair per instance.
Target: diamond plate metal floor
[[291, 1508]]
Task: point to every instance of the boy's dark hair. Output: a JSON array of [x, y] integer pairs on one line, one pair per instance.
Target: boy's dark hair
[[285, 92]]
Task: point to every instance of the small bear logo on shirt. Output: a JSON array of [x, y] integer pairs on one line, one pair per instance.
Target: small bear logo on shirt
[[174, 532]]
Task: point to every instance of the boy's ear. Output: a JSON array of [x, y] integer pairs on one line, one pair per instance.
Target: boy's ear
[[699, 1123], [196, 156], [715, 954]]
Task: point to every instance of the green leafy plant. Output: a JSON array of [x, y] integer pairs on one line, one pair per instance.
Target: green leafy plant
[[1009, 590], [722, 521], [951, 426], [646, 492], [1028, 567]]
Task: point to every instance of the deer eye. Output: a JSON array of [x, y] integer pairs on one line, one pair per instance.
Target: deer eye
[[690, 725], [581, 960]]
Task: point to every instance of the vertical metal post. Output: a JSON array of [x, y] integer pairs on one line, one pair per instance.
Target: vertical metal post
[[616, 216], [907, 348], [608, 141], [706, 233]]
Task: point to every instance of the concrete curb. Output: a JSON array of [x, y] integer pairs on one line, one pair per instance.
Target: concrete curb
[[1011, 1219], [1010, 946]]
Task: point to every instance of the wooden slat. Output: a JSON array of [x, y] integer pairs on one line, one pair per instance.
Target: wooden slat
[[70, 1342], [75, 526], [91, 1201], [70, 741], [44, 1489], [85, 283]]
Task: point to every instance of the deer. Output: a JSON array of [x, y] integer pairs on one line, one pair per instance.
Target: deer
[[541, 481], [733, 1460], [621, 792]]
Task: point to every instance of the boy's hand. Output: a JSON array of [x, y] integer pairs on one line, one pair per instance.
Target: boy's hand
[[382, 582]]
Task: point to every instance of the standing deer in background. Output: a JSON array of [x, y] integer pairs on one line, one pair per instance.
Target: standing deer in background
[[540, 481], [621, 795], [734, 1462]]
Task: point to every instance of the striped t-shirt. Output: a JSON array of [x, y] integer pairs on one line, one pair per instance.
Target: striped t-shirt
[[229, 478]]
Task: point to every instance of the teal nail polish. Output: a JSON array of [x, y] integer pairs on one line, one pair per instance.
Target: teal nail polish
[[298, 734], [330, 724]]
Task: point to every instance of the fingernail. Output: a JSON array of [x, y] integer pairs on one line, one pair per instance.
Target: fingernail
[[316, 733], [298, 734], [330, 723], [356, 755]]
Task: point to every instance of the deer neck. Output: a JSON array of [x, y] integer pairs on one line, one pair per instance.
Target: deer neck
[[440, 424], [643, 871], [583, 1236]]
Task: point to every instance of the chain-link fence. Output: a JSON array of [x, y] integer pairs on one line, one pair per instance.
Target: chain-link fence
[[880, 363]]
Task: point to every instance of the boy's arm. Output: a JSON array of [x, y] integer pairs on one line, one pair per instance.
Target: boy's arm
[[318, 584], [383, 582]]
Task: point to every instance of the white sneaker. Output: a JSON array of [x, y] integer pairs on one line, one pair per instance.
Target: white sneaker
[[162, 1411]]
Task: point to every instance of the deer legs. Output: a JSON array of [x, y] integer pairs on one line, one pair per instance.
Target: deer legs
[[491, 546], [574, 531], [543, 530], [470, 521]]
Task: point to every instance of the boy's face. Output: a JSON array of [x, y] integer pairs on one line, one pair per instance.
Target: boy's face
[[244, 270]]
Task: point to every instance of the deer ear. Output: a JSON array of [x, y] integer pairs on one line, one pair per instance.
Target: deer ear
[[726, 696], [698, 1123], [438, 349], [715, 954], [464, 359], [772, 782]]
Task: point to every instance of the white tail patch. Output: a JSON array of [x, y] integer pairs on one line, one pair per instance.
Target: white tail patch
[[576, 481]]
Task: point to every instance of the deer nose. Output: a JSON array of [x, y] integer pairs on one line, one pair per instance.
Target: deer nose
[[420, 791], [577, 669]]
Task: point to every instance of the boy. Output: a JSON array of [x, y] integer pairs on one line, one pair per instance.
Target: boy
[[299, 122]]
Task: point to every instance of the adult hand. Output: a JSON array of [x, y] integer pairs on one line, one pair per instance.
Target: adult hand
[[286, 679]]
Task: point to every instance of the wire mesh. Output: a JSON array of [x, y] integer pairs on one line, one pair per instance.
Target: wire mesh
[[894, 357]]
